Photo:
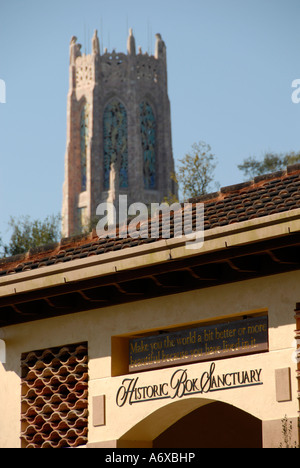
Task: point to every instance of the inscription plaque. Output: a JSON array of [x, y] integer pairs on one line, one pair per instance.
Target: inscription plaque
[[216, 341]]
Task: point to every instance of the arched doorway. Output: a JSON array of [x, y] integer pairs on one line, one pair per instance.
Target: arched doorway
[[196, 423], [217, 425]]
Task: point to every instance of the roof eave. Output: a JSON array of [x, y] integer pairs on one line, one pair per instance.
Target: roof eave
[[161, 251]]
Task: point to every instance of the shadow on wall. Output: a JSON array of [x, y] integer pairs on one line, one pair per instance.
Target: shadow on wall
[[196, 423]]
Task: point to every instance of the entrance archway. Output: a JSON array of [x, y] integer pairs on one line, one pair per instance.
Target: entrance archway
[[217, 425], [196, 423]]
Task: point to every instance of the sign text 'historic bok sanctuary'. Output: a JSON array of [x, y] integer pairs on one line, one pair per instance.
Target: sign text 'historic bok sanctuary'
[[181, 384], [211, 342]]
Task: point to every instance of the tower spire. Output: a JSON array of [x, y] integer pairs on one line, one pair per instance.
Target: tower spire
[[95, 44], [74, 50], [131, 43], [160, 47]]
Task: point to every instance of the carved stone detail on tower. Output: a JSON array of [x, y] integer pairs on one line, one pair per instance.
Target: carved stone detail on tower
[[84, 71]]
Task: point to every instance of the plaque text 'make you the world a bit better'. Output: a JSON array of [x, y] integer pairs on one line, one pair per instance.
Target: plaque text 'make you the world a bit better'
[[220, 340]]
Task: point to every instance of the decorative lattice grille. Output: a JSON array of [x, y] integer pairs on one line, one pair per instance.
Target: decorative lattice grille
[[54, 397]]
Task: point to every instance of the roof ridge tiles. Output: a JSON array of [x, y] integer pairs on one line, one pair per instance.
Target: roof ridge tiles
[[293, 168], [236, 187], [269, 176], [247, 184]]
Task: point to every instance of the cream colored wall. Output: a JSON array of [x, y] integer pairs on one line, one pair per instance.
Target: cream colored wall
[[278, 294]]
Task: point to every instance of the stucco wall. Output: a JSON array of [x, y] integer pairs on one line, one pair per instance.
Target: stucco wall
[[277, 294]]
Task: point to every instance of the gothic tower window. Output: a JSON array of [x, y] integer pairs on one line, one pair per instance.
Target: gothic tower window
[[148, 136], [83, 144], [115, 146]]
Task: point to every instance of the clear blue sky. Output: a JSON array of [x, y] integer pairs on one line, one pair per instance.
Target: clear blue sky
[[230, 68]]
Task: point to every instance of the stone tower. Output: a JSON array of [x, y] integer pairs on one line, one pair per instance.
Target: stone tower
[[118, 130]]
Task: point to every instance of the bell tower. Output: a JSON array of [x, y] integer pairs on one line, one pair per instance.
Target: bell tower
[[118, 130]]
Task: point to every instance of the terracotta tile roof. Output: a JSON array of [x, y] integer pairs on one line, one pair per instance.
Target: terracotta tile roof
[[266, 195]]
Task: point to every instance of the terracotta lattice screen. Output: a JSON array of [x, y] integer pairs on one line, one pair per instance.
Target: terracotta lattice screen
[[55, 397]]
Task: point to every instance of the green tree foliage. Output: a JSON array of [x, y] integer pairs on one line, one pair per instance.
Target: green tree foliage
[[27, 234], [271, 162], [195, 173]]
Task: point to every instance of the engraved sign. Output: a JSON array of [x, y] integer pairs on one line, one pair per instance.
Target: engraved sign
[[216, 341], [181, 384]]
